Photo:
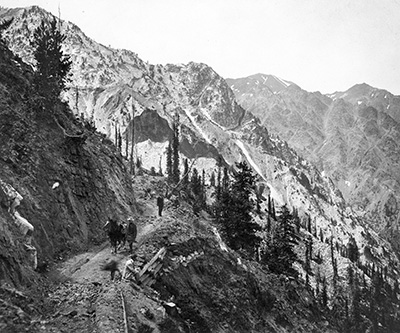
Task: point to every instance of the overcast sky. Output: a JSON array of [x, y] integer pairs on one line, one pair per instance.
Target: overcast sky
[[325, 45]]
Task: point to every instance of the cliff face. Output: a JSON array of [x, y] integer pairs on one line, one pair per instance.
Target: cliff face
[[69, 180]]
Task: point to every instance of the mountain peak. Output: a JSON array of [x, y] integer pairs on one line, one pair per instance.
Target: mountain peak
[[260, 81]]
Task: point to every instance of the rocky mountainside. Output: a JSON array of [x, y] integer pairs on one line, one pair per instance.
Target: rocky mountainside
[[109, 87], [108, 84], [351, 136], [68, 189]]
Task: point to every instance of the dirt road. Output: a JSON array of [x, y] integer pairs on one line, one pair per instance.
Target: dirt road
[[84, 299]]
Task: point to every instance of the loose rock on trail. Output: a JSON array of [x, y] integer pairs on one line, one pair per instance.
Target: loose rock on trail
[[84, 297]]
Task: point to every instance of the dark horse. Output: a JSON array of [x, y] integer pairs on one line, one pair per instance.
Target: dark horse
[[116, 234]]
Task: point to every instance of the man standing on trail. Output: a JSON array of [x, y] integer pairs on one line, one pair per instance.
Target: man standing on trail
[[130, 271], [131, 233], [160, 204]]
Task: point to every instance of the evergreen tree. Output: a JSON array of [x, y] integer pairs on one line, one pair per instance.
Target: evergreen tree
[[185, 179], [119, 140], [127, 137], [195, 185], [52, 65], [238, 226], [175, 150], [307, 269], [309, 224], [4, 26], [169, 162], [132, 165], [334, 264], [352, 250], [273, 210], [212, 179], [280, 254], [268, 224], [195, 182], [355, 311], [269, 205], [203, 196], [324, 293], [308, 258]]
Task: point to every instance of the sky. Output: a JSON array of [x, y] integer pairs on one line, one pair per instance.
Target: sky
[[321, 45]]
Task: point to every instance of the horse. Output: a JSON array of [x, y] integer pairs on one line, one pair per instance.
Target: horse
[[115, 233]]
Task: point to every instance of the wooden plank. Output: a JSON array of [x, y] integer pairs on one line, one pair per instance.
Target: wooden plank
[[157, 268], [161, 252], [146, 280], [151, 282]]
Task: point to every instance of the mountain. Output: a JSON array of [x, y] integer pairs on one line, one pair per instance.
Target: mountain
[[351, 136], [110, 87], [107, 84]]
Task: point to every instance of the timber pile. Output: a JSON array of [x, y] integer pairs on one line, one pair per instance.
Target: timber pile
[[148, 274]]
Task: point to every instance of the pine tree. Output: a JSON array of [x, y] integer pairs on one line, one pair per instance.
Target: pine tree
[[307, 268], [309, 224], [212, 179], [355, 312], [132, 140], [238, 226], [269, 205], [119, 140], [324, 293], [127, 137], [203, 196], [4, 26], [352, 250], [195, 185], [280, 254], [159, 167], [268, 224], [317, 282], [308, 258], [169, 162], [185, 179], [52, 65], [273, 209], [334, 265], [175, 150]]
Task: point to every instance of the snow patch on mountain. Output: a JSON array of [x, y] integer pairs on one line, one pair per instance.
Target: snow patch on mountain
[[285, 83]]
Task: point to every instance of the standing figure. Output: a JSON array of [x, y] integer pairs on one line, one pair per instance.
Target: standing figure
[[160, 204], [131, 233]]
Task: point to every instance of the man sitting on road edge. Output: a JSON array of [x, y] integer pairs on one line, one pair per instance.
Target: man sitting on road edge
[[130, 271]]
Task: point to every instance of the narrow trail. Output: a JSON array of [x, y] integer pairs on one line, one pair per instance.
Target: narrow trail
[[83, 298], [86, 267]]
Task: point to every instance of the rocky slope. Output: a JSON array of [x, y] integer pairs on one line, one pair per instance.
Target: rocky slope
[[107, 86], [69, 180], [212, 123], [352, 136]]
